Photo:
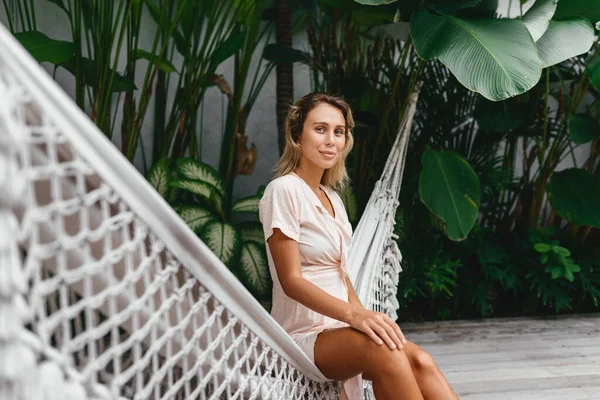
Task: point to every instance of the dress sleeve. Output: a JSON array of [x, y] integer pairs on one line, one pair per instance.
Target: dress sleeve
[[278, 208]]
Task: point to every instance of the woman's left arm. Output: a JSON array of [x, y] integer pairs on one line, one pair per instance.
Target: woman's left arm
[[352, 296]]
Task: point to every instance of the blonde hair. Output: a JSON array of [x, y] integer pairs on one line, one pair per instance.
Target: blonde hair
[[335, 177]]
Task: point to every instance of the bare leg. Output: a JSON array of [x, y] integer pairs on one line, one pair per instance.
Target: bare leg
[[432, 383], [345, 352]]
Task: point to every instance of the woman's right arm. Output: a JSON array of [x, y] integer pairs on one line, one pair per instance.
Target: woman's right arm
[[286, 256]]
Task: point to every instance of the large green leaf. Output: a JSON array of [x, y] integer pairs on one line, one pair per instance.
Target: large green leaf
[[248, 11], [194, 186], [164, 23], [136, 9], [159, 177], [60, 4], [90, 69], [227, 48], [44, 49], [254, 269], [450, 189], [195, 217], [204, 190], [189, 12], [252, 232], [583, 129], [593, 70], [247, 204], [495, 57], [564, 40], [224, 240], [192, 169], [589, 9], [375, 2], [538, 17], [575, 195], [164, 65]]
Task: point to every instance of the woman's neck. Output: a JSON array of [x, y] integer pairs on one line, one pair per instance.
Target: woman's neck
[[312, 176]]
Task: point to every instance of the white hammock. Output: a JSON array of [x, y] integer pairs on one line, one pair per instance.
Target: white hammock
[[374, 258], [106, 293]]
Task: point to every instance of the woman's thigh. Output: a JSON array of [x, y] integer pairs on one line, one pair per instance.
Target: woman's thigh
[[345, 352]]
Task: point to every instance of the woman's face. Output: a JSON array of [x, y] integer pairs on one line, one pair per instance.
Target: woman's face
[[323, 136]]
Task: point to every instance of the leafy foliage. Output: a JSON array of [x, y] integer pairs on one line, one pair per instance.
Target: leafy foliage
[[499, 264], [196, 192]]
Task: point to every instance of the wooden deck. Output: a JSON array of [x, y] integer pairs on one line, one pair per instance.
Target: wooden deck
[[555, 358]]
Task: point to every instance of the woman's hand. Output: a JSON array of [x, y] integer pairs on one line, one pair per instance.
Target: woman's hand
[[378, 326]]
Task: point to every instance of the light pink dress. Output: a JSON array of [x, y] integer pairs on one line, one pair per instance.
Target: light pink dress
[[290, 205]]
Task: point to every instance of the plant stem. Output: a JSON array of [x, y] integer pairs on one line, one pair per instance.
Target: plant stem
[[21, 16], [9, 17], [147, 86], [28, 16], [33, 18]]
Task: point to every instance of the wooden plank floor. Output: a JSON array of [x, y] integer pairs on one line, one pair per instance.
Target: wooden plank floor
[[546, 358]]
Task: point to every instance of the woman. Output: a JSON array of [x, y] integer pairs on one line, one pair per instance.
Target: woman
[[308, 235]]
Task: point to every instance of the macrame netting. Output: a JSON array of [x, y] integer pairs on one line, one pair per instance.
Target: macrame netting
[[93, 302], [105, 293], [374, 258]]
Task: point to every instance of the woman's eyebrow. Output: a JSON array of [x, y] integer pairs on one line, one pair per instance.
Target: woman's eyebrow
[[325, 123]]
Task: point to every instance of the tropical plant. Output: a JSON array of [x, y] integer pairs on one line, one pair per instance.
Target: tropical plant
[[498, 58], [457, 164], [428, 279], [546, 136], [197, 193], [499, 265], [550, 277], [206, 35], [200, 35], [100, 32], [347, 44], [235, 157]]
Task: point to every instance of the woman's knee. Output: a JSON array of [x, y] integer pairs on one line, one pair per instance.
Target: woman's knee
[[423, 361], [384, 360]]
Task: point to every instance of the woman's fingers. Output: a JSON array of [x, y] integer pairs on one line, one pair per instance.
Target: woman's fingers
[[383, 334], [396, 329], [389, 328], [373, 335], [382, 329]]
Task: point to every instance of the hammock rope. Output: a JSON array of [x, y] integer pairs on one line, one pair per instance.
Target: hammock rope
[[105, 293]]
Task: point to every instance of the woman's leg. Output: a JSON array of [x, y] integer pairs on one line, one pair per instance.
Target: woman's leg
[[345, 352], [431, 381]]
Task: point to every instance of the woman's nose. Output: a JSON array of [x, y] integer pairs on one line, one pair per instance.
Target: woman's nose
[[330, 138]]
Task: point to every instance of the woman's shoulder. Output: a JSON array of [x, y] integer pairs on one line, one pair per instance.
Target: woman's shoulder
[[285, 185], [282, 183]]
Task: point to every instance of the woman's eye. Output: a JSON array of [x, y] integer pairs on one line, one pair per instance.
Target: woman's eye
[[319, 129], [339, 132]]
